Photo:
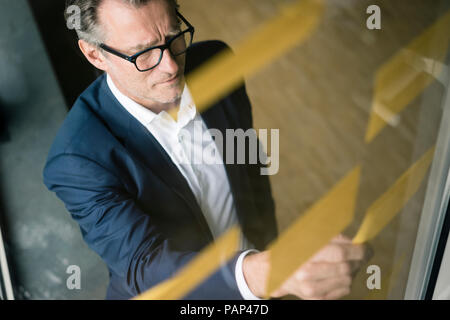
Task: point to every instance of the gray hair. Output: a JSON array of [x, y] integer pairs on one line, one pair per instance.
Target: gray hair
[[89, 29]]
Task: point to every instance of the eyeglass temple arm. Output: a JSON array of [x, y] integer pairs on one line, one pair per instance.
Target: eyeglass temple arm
[[117, 53], [184, 20]]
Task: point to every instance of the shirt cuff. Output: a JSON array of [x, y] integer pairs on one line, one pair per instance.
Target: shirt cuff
[[241, 283]]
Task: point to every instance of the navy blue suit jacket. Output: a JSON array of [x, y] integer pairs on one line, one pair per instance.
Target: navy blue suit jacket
[[134, 207]]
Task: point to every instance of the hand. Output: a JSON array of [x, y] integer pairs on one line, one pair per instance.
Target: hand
[[326, 275]]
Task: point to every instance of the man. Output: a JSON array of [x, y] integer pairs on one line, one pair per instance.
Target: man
[[117, 163]]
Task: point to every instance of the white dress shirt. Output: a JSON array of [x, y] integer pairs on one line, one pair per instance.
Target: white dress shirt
[[208, 179]]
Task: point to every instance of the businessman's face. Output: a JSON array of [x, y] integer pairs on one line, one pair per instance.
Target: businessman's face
[[129, 30]]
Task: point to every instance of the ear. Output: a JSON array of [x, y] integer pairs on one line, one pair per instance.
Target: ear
[[93, 54]]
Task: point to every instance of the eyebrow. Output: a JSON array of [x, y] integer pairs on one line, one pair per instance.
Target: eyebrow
[[141, 47]]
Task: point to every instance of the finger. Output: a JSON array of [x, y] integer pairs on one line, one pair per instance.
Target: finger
[[341, 239], [337, 294], [322, 270], [321, 288], [335, 252]]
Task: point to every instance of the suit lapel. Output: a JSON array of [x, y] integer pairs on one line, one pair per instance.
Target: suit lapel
[[144, 144], [141, 143]]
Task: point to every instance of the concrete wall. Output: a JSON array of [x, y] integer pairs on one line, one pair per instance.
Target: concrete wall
[[42, 240]]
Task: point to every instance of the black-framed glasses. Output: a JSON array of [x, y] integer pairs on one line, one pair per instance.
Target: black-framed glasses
[[150, 58]]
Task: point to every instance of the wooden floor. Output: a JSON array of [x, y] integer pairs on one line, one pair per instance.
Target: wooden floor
[[319, 95]]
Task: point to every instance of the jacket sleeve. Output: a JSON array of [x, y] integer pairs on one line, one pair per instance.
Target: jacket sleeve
[[123, 235]]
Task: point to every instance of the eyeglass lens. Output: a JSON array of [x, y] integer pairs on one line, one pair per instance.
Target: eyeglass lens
[[152, 58]]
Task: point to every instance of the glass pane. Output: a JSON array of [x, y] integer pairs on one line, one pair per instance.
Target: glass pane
[[351, 95]]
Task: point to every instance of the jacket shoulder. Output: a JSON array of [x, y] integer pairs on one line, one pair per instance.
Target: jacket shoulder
[[199, 52], [82, 127]]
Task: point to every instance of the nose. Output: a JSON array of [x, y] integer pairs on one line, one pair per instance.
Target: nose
[[168, 63]]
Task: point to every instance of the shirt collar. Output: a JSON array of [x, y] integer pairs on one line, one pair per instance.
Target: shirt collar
[[186, 113]]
